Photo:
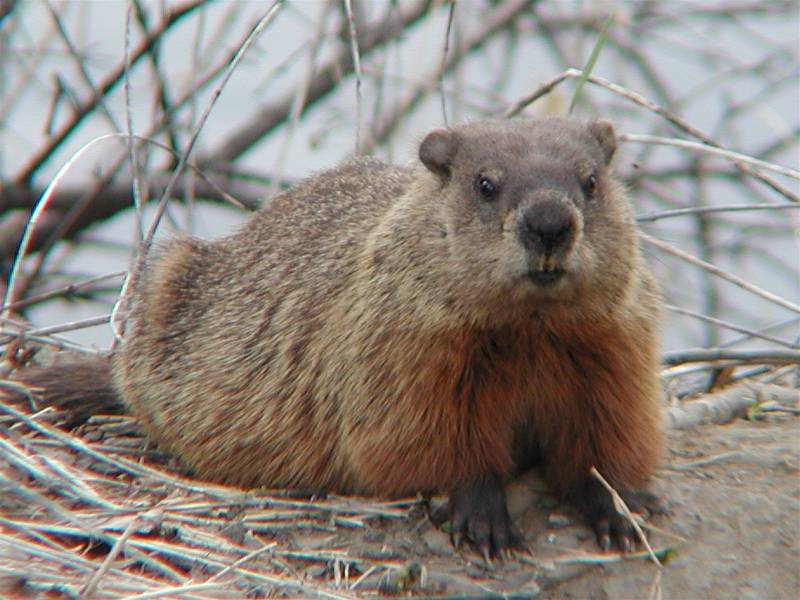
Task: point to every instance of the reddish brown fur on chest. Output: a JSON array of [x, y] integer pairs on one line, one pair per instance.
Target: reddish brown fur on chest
[[456, 405], [599, 404], [440, 416]]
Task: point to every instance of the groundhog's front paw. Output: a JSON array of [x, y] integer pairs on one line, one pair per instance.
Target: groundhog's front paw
[[479, 514], [610, 526]]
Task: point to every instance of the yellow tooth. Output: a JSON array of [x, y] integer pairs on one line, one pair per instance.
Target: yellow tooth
[[548, 263]]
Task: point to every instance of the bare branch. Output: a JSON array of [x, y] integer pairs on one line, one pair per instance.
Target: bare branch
[[695, 210], [44, 153], [738, 281], [328, 76], [728, 404], [773, 355], [348, 5], [714, 150], [502, 17]]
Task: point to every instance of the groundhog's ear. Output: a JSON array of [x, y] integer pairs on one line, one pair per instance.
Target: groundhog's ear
[[438, 150], [603, 131]]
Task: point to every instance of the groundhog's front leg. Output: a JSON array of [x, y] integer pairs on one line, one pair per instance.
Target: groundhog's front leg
[[478, 513], [597, 507]]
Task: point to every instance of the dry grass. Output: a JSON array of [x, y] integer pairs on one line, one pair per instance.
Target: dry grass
[[96, 510]]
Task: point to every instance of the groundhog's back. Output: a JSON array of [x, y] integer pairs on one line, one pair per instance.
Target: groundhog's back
[[216, 355]]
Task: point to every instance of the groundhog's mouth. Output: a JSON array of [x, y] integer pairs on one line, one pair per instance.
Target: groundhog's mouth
[[546, 278]]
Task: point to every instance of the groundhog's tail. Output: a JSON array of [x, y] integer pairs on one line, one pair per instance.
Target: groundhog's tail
[[81, 388]]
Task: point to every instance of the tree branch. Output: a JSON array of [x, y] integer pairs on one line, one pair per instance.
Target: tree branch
[[254, 130], [109, 83]]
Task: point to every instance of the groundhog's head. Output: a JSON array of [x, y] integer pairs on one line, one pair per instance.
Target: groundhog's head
[[531, 208]]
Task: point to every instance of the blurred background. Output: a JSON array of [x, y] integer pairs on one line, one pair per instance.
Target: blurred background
[[326, 79]]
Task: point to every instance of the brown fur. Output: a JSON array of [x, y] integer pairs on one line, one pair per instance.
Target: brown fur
[[376, 329]]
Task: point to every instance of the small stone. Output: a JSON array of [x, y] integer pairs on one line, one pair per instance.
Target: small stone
[[547, 501], [558, 520], [438, 542], [374, 536], [318, 571]]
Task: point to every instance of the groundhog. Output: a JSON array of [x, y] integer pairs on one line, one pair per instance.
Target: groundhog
[[389, 330]]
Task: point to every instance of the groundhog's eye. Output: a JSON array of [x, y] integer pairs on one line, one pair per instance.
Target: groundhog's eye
[[486, 187], [590, 185]]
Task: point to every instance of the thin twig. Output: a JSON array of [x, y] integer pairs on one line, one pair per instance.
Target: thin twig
[[502, 17], [165, 100], [47, 151], [730, 155], [121, 306], [81, 63], [771, 355], [66, 290], [327, 77], [749, 333], [91, 585], [622, 508], [242, 560], [698, 210], [443, 66], [132, 157], [38, 211], [70, 326], [348, 5], [711, 460], [299, 100], [738, 281]]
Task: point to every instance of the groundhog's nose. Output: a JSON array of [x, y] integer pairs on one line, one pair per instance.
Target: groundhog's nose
[[546, 226]]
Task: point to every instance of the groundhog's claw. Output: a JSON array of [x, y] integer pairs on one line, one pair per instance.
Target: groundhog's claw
[[610, 527], [478, 514]]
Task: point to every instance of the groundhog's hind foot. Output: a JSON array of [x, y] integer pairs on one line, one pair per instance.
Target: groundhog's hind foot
[[478, 513], [611, 527]]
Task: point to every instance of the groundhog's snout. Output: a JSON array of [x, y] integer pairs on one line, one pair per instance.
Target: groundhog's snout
[[546, 230]]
